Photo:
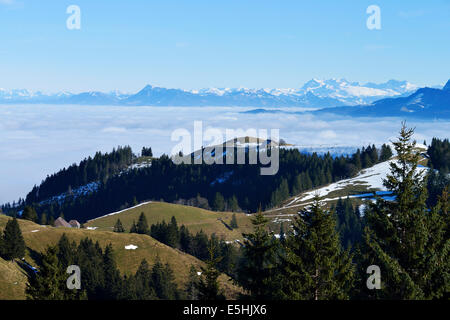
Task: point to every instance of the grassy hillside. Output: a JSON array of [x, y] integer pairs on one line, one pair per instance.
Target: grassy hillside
[[12, 281], [195, 219], [37, 238]]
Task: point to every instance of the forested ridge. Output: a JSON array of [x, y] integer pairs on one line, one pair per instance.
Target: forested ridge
[[237, 187], [98, 168]]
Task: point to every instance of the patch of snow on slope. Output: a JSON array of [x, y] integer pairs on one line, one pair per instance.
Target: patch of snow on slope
[[80, 191], [117, 212], [131, 247], [372, 177]]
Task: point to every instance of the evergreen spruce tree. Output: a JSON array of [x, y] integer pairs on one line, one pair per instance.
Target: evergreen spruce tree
[[51, 281], [173, 236], [185, 240], [143, 282], [437, 250], [233, 223], [164, 281], [297, 186], [404, 237], [112, 278], [386, 152], [192, 284], [147, 152], [258, 268], [43, 219], [233, 204], [373, 154], [29, 213], [229, 258], [349, 224], [90, 260], [308, 182], [13, 242], [284, 190], [133, 228], [282, 233], [51, 221], [142, 225], [118, 227], [366, 161], [314, 266], [357, 160], [219, 202], [66, 253], [129, 289], [208, 287]]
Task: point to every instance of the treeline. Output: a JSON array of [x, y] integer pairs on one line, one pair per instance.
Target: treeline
[[237, 187], [99, 168]]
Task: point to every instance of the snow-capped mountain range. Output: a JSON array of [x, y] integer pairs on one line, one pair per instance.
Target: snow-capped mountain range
[[352, 93], [423, 103], [314, 94]]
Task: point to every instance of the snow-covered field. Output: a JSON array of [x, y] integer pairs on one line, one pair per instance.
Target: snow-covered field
[[117, 212], [370, 178], [38, 140]]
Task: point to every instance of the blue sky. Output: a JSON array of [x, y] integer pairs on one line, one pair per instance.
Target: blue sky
[[195, 44]]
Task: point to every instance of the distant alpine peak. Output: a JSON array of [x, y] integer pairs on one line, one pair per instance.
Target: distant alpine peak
[[447, 86], [354, 92]]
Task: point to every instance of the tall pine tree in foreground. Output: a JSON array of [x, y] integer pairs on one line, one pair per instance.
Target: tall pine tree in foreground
[[13, 245], [192, 284], [208, 287], [314, 266], [405, 238], [113, 279], [163, 281], [50, 282], [143, 280], [258, 268]]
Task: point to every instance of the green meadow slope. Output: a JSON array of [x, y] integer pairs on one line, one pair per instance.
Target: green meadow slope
[[37, 238], [195, 219], [13, 280]]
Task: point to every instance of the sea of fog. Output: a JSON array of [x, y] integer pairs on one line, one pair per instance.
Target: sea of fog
[[37, 140]]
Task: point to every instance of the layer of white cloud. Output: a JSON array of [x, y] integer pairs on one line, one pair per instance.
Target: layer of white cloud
[[37, 140]]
